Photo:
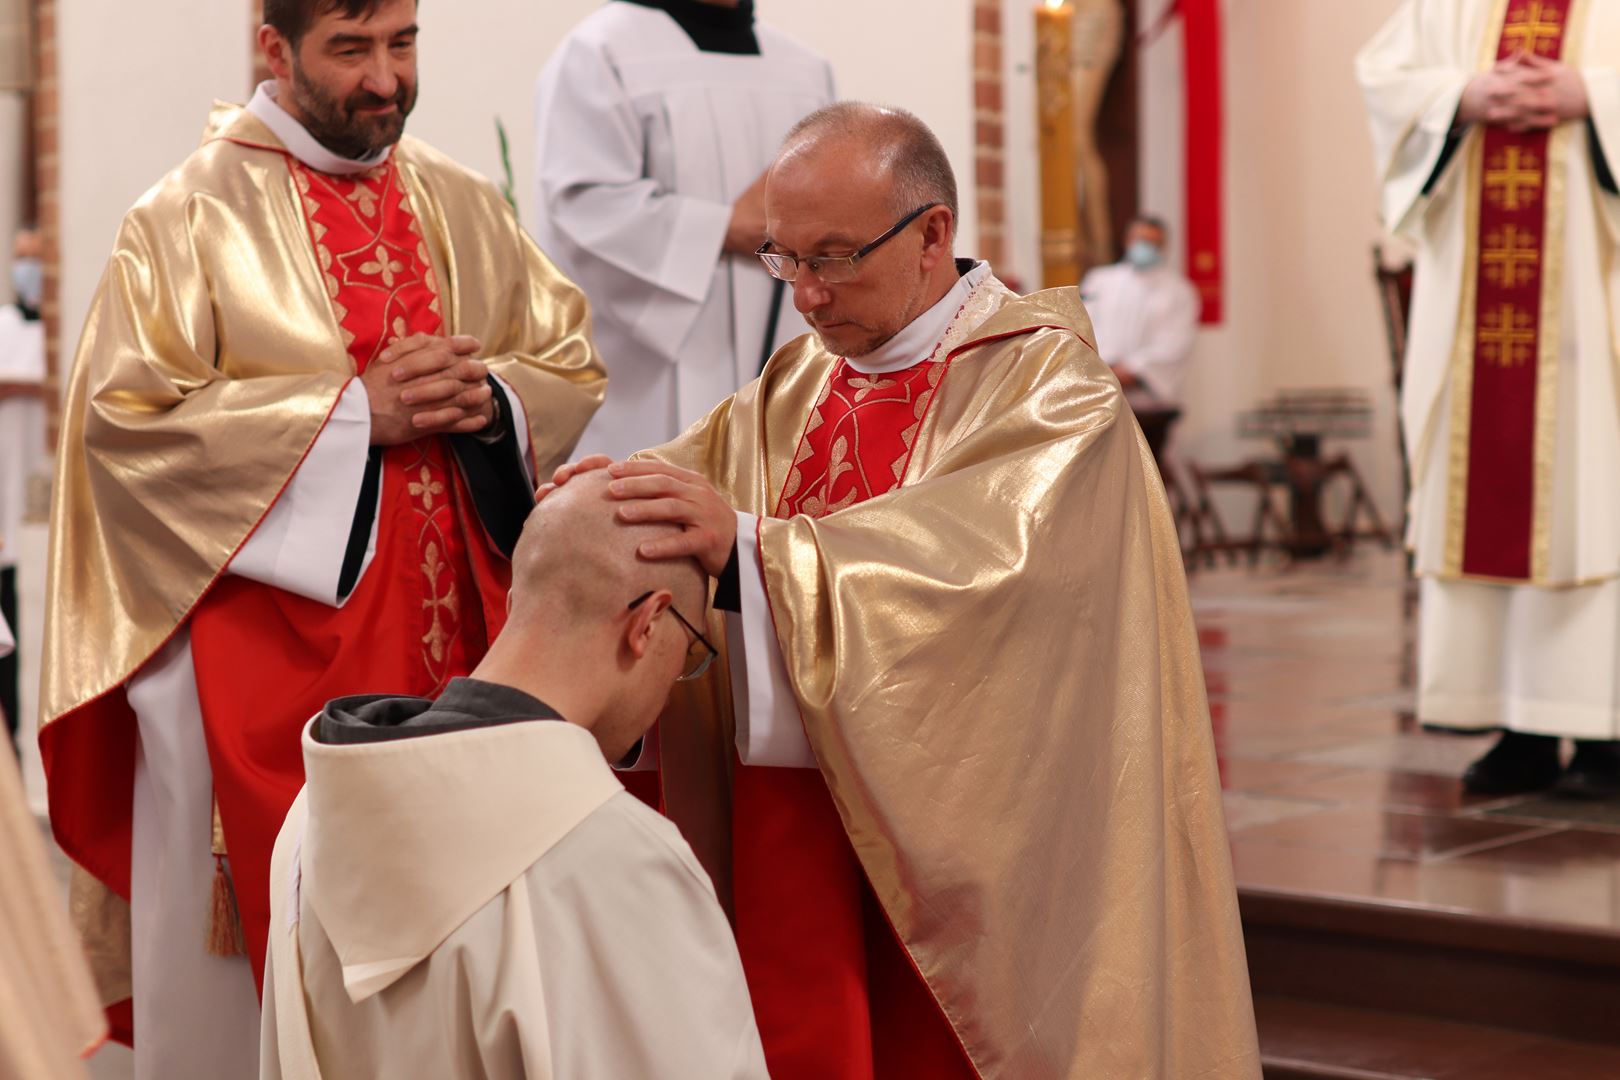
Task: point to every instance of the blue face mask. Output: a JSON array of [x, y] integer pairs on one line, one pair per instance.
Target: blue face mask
[[1144, 255], [28, 279]]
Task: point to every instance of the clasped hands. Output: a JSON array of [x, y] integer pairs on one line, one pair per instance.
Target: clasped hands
[[651, 491], [428, 385], [1524, 93]]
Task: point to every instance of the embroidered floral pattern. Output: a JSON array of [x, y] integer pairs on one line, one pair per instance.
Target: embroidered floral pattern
[[860, 435], [376, 268]]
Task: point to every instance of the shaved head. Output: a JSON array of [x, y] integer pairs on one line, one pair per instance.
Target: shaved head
[[890, 142], [576, 564]]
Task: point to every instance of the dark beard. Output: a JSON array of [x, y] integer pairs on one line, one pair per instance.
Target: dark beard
[[335, 124]]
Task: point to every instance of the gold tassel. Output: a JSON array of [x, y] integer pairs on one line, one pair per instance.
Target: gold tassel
[[225, 937]]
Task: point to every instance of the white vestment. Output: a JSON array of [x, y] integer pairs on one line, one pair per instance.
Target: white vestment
[[492, 903], [1146, 323], [644, 144], [1537, 658], [197, 1015]]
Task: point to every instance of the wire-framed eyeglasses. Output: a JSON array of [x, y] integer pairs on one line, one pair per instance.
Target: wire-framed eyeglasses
[[833, 269], [697, 662]]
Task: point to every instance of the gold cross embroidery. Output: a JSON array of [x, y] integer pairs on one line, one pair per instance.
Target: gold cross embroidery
[[364, 198], [865, 385], [383, 265], [1536, 28], [437, 637], [1506, 335], [1513, 179], [817, 505], [426, 489], [1511, 257]]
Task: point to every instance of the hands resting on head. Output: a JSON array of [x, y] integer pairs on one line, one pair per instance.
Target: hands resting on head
[[1523, 93], [651, 491]]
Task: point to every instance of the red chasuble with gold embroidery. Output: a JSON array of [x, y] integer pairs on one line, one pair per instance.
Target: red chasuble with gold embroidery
[[425, 609], [1514, 340], [836, 996]]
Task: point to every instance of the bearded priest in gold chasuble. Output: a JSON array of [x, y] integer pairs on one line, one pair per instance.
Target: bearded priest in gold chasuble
[[323, 369], [955, 772]]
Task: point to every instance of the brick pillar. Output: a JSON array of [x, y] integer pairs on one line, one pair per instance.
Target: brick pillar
[[261, 71], [989, 123], [47, 186]]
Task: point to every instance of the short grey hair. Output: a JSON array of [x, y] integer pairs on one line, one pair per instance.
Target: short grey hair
[[912, 153]]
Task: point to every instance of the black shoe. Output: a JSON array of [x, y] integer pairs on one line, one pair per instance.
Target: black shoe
[[1518, 763], [1593, 773]]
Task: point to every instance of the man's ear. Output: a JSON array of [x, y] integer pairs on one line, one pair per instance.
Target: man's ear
[[278, 52], [638, 631], [939, 225]]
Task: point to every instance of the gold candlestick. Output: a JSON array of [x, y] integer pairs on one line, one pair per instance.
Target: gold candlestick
[[1060, 195]]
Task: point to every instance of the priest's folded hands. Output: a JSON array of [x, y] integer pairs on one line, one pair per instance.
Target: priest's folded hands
[[428, 384]]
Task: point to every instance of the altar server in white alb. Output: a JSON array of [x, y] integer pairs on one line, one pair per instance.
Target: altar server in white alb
[[656, 122], [1496, 127]]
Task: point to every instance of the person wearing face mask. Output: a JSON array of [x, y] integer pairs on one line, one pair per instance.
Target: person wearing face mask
[[1145, 314], [22, 432]]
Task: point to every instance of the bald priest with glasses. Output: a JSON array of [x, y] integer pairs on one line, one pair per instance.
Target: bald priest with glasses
[[955, 773], [464, 889]]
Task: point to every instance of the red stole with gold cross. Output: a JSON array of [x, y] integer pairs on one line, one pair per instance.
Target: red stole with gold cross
[[423, 612], [1504, 375], [835, 993]]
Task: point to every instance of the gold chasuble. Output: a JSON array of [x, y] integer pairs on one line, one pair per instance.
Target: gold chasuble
[[232, 317], [995, 661]]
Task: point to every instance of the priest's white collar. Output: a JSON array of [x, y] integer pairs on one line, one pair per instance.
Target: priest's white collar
[[301, 144], [917, 340]]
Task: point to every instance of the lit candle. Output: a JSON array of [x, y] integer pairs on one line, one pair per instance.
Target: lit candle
[[1060, 197]]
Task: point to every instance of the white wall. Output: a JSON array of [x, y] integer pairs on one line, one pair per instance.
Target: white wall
[[1300, 221], [480, 61], [1023, 142], [137, 80], [136, 83]]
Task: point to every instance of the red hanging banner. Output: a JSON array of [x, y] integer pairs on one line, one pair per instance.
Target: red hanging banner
[[1201, 43]]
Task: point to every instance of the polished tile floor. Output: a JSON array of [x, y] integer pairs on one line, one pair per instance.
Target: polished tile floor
[[1331, 786]]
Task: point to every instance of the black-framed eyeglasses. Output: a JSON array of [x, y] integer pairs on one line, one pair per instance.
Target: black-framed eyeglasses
[[696, 663], [833, 269]]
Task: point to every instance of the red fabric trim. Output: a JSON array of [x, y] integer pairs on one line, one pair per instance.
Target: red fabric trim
[[120, 1025], [804, 434], [1201, 41], [1501, 490], [1020, 332], [646, 785]]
